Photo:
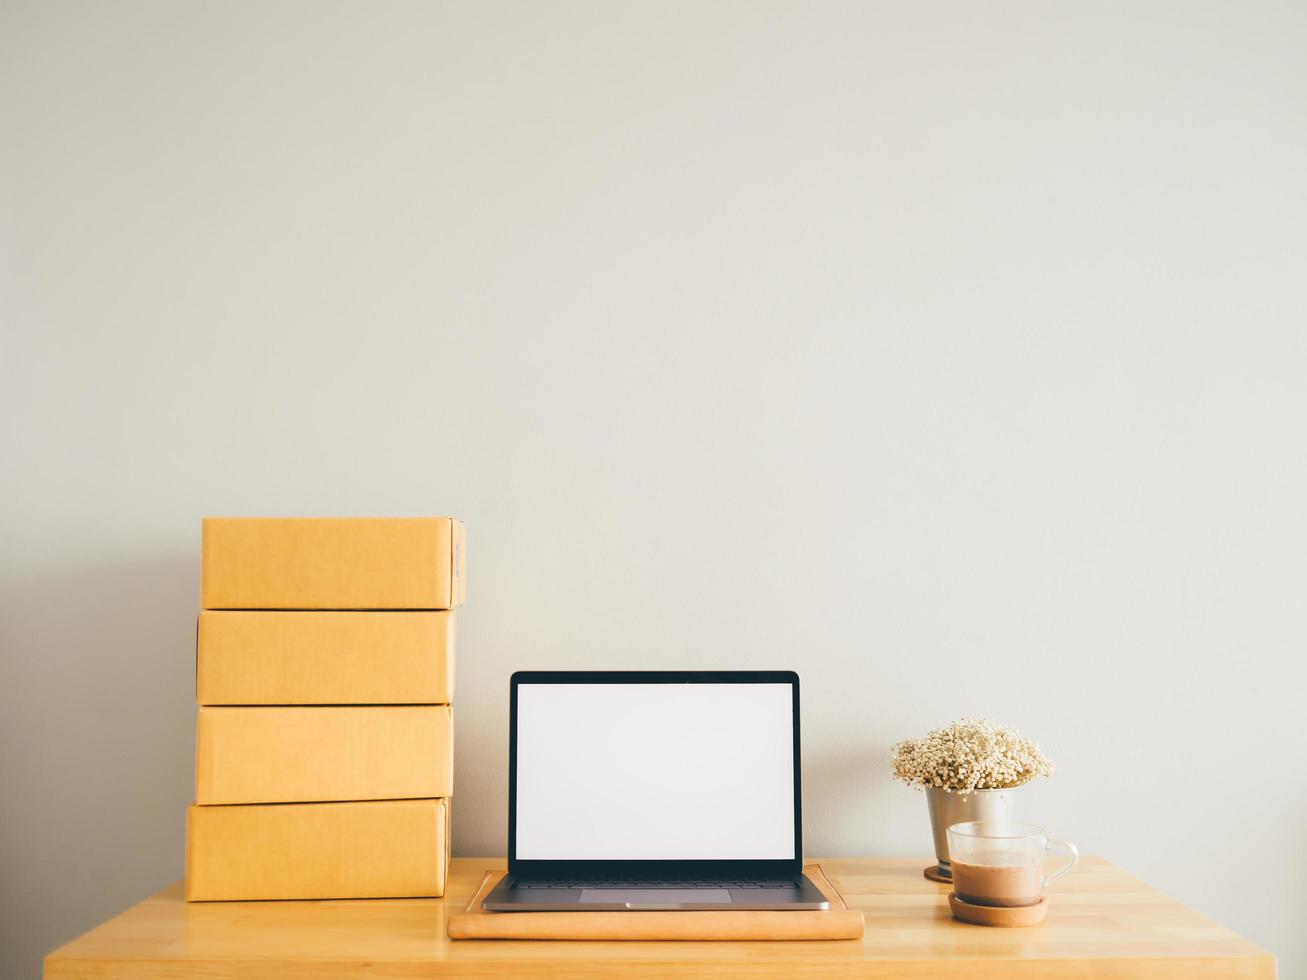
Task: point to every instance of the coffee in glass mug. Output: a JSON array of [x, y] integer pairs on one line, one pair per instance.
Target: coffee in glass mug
[[1002, 864]]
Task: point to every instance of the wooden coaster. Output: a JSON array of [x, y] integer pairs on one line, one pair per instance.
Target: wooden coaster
[[934, 874], [986, 915]]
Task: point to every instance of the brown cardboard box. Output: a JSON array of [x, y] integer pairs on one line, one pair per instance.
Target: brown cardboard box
[[332, 563], [318, 754], [379, 849], [269, 657]]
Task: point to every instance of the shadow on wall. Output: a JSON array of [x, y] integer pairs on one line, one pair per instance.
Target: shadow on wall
[[96, 744], [846, 793]]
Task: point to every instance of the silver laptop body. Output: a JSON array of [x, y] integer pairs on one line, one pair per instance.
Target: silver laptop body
[[654, 790]]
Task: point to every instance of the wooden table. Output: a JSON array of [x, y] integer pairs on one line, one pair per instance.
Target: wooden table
[[1101, 923]]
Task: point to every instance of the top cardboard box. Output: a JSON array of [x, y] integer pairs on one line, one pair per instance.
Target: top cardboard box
[[332, 563]]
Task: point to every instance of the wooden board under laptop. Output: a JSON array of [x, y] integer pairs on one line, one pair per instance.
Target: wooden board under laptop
[[837, 922]]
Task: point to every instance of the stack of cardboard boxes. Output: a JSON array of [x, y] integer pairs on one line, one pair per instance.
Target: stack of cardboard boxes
[[325, 675]]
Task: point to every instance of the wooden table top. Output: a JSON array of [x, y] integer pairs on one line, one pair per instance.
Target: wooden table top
[[1101, 923]]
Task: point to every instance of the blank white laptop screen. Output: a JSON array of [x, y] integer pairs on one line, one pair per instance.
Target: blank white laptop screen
[[655, 772]]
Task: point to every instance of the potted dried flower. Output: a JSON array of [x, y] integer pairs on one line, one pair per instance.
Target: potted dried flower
[[969, 771]]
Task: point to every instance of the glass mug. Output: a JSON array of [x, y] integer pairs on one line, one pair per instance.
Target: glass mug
[[1002, 864]]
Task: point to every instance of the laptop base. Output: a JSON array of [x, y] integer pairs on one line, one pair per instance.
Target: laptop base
[[514, 894]]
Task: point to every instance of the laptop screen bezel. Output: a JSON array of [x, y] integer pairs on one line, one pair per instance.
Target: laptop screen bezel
[[634, 869]]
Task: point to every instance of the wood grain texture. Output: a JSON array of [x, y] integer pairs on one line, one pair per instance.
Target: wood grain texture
[[1102, 923]]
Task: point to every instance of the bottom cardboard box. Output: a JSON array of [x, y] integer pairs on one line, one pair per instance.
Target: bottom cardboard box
[[375, 849]]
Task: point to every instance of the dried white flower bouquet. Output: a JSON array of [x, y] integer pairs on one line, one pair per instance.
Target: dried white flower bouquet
[[969, 755]]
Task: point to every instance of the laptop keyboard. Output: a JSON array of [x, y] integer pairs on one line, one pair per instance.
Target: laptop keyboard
[[651, 884]]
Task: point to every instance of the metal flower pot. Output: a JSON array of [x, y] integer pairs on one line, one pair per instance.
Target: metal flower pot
[[948, 808]]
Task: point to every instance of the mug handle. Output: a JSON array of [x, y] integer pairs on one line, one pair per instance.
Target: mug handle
[[1075, 859]]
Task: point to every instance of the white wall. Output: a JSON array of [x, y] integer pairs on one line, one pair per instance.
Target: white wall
[[952, 354]]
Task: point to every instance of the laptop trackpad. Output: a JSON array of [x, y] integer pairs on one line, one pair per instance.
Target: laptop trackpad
[[655, 896]]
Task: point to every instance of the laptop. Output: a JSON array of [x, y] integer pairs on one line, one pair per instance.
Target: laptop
[[654, 790]]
